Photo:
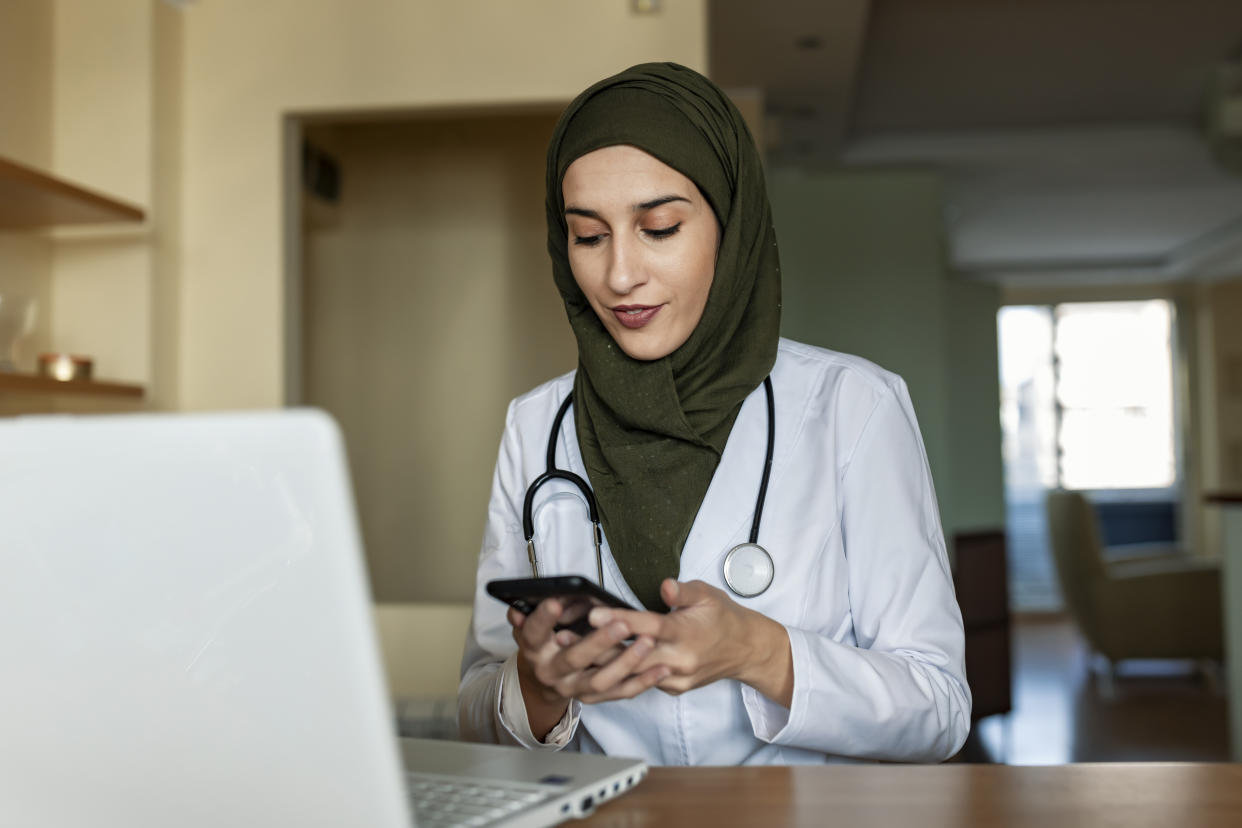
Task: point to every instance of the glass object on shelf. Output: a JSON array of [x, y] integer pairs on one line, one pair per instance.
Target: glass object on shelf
[[16, 319]]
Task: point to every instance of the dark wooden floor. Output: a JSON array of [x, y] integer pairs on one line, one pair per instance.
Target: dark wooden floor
[[1159, 711]]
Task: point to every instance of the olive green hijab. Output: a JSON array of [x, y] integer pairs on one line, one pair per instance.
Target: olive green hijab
[[652, 433]]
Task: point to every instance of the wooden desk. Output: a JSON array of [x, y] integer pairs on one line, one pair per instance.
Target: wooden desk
[[956, 796]]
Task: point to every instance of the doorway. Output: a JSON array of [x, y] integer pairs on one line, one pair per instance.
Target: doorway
[[427, 304]]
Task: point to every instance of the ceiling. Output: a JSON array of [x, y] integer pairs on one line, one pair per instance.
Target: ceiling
[[1069, 132]]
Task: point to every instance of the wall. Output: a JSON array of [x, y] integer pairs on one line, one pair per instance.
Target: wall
[[26, 137], [1220, 412], [976, 493], [428, 306], [1224, 303], [165, 287], [82, 113], [102, 138], [863, 272], [26, 81], [248, 65]]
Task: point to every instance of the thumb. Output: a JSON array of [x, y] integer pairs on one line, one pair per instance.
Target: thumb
[[677, 594], [670, 591]]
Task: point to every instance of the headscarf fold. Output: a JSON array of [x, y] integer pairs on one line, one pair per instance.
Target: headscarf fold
[[652, 432]]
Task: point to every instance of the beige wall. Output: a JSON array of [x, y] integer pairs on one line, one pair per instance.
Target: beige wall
[[191, 301], [248, 65], [75, 87], [101, 138], [183, 112], [26, 81], [164, 302], [26, 137], [428, 306]]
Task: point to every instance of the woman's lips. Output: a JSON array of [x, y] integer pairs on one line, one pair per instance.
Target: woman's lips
[[635, 316]]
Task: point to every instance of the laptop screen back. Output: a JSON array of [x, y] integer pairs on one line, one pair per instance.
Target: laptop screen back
[[185, 627]]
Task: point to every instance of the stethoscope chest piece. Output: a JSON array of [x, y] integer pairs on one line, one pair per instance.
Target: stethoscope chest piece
[[748, 570]]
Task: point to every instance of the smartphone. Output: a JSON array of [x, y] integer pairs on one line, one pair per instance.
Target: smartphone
[[578, 595]]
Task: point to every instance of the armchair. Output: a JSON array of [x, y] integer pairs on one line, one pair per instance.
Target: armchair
[[1165, 606]]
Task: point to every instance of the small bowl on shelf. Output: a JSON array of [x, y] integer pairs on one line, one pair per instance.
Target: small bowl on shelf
[[65, 367]]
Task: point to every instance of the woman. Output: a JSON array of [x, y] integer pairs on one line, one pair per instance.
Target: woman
[[663, 249]]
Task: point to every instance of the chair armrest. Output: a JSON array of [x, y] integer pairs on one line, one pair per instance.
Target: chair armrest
[[1140, 551], [1160, 566]]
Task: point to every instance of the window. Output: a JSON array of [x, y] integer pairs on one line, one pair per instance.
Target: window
[[1114, 394], [1086, 403]]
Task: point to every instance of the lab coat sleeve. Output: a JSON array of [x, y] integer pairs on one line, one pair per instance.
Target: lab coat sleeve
[[901, 693], [490, 707]]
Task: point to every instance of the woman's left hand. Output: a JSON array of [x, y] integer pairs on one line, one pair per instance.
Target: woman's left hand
[[708, 636]]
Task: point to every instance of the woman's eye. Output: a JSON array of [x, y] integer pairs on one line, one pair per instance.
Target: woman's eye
[[588, 241], [663, 232]]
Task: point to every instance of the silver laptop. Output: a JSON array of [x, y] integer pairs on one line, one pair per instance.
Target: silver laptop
[[186, 639]]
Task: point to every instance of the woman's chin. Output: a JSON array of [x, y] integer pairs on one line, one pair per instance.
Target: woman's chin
[[643, 349]]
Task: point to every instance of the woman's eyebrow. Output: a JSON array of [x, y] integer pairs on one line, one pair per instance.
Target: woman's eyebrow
[[570, 210], [656, 202]]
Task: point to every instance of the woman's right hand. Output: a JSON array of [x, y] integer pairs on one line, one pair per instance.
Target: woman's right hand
[[554, 667]]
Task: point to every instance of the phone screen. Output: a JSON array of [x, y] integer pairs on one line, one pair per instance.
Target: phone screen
[[577, 595]]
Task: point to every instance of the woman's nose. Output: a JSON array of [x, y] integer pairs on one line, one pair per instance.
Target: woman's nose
[[625, 268]]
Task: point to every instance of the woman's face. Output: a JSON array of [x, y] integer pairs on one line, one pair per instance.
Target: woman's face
[[642, 246]]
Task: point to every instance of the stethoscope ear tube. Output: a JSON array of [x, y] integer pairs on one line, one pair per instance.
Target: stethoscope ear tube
[[528, 519]]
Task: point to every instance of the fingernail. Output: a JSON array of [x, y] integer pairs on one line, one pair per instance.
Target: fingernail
[[600, 617], [618, 631]]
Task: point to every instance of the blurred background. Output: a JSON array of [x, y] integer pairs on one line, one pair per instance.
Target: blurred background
[[1031, 210]]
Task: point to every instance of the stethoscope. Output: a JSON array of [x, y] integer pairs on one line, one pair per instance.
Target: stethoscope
[[748, 569]]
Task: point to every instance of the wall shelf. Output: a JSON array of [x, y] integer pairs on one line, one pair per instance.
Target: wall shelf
[[33, 384], [31, 199]]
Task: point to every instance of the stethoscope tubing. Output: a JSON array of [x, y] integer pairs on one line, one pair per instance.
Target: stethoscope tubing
[[767, 460], [553, 473]]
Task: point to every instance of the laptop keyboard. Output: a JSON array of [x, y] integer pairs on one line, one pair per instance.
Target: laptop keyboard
[[445, 800]]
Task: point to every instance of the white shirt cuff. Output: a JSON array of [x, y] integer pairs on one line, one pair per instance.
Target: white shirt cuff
[[768, 718], [512, 713]]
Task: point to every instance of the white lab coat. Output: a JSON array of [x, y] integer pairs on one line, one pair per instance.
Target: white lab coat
[[862, 581]]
